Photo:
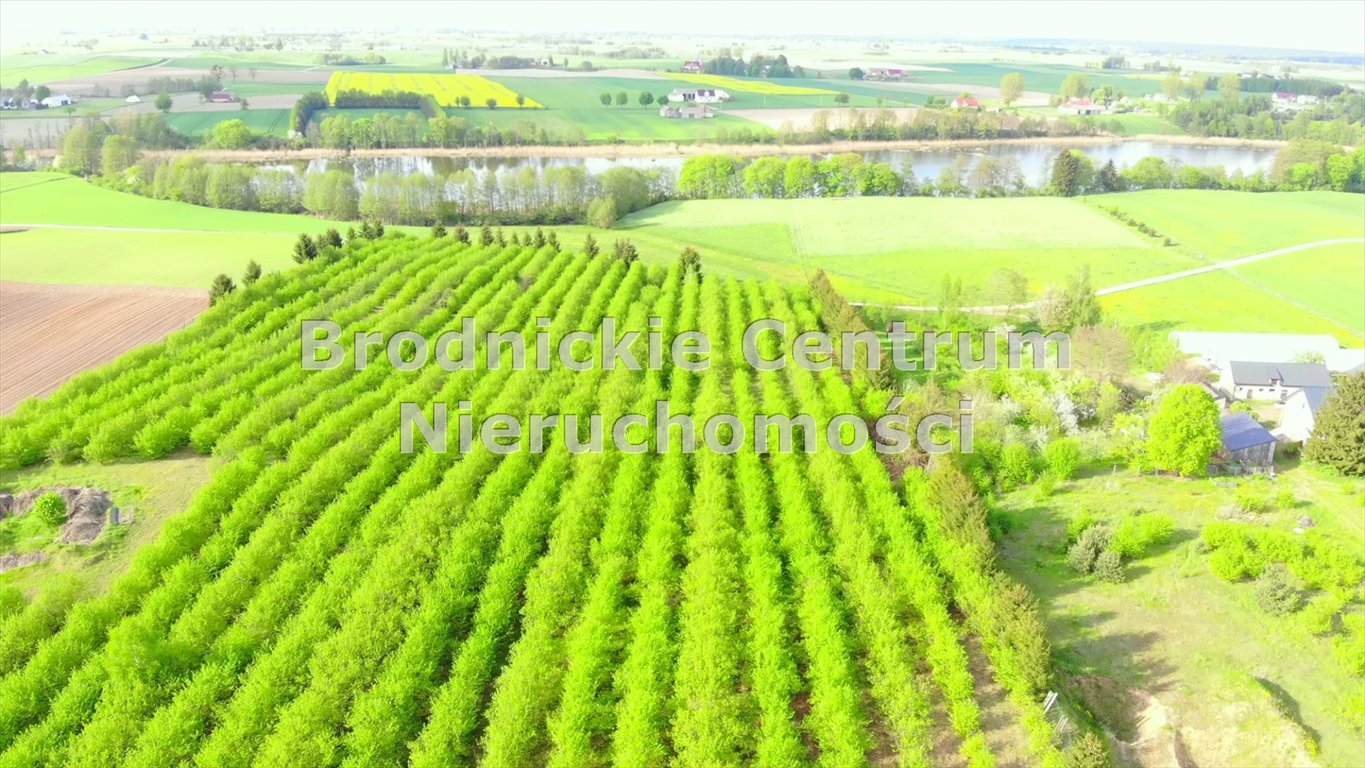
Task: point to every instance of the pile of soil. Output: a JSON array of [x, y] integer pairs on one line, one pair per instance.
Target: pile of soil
[[87, 510]]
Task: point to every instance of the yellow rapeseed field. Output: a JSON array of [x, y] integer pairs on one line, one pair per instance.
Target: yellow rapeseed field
[[749, 86], [445, 88]]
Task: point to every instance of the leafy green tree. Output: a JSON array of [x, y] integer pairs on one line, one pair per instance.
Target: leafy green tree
[[622, 98], [602, 212], [521, 100], [841, 99], [50, 508], [1063, 457], [252, 273], [1171, 85], [305, 249], [222, 286], [1230, 85], [1338, 438], [1196, 84], [231, 134], [1011, 87], [605, 98], [41, 92], [646, 98], [1075, 86], [1184, 431], [163, 102], [1082, 305], [438, 230], [491, 102], [856, 73]]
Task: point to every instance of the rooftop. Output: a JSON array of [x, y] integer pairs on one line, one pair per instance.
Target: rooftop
[[1241, 431]]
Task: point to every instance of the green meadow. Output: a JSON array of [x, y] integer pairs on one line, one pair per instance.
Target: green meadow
[[269, 122], [1176, 632], [45, 68]]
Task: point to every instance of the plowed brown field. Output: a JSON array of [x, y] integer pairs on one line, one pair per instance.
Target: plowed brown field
[[49, 333]]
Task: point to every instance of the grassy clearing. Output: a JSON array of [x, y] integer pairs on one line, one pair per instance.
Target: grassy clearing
[[1177, 632], [1328, 280], [1221, 225], [150, 491], [747, 85]]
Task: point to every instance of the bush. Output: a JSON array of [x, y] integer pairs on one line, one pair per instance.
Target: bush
[[1016, 466], [1092, 542], [1109, 567], [1349, 648], [1078, 524], [1275, 593], [1251, 499], [1086, 751], [1136, 533], [1235, 562], [1285, 499], [1047, 483], [1063, 458], [50, 508]]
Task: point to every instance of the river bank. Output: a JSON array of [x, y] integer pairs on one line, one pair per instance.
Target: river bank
[[676, 149]]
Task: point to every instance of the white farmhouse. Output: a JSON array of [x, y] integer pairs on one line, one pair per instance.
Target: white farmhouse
[[1272, 381], [57, 100], [698, 95], [1300, 413]]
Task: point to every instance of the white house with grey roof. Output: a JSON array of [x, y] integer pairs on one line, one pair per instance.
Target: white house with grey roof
[[1271, 381], [1300, 413], [1216, 349]]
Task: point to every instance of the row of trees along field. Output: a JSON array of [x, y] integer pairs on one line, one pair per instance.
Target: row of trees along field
[[328, 599]]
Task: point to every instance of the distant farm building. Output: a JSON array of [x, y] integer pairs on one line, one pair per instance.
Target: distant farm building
[[693, 66], [688, 112], [222, 97], [1079, 107], [57, 100], [133, 99], [1271, 381], [965, 102], [1300, 413], [1216, 350], [1286, 100], [698, 95], [879, 73], [1246, 442]]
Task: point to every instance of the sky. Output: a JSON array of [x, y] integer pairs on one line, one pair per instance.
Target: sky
[[1329, 25]]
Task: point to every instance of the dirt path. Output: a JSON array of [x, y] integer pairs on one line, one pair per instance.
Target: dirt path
[[1000, 308], [49, 333]]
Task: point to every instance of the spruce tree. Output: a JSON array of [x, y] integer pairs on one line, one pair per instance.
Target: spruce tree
[[1339, 434]]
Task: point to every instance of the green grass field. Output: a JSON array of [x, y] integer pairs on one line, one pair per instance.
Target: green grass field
[[898, 249], [1221, 225], [271, 122], [1175, 631], [38, 69]]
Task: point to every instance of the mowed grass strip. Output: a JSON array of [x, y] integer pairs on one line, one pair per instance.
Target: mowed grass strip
[[445, 88]]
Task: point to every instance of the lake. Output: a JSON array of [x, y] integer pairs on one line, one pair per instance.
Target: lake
[[1034, 159]]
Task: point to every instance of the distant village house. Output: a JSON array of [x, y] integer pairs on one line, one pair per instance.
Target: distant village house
[[693, 66], [888, 73], [57, 100], [1079, 107], [965, 102], [687, 112], [698, 95], [222, 97]]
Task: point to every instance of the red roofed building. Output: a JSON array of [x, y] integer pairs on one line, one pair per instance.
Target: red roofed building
[[1079, 107], [965, 102]]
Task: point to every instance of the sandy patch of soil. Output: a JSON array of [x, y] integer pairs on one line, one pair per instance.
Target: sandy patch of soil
[[49, 333]]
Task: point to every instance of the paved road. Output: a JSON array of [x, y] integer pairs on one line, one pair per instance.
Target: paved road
[[996, 309]]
